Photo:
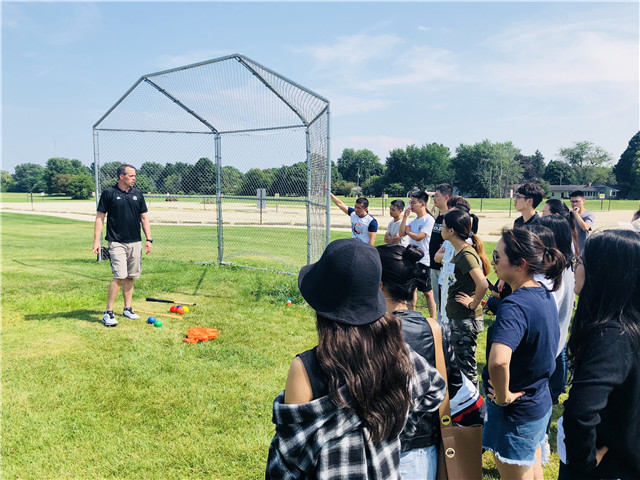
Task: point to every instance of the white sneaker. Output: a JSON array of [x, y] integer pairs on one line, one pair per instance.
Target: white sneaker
[[129, 313], [109, 319]]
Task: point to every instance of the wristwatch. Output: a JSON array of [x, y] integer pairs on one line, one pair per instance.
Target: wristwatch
[[150, 240]]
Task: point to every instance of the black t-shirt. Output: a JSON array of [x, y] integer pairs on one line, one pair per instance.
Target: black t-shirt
[[435, 242], [123, 211], [520, 223], [316, 376]]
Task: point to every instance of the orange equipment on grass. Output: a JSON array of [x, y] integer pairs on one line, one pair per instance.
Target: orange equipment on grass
[[200, 334]]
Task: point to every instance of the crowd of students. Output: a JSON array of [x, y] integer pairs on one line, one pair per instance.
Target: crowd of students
[[364, 403]]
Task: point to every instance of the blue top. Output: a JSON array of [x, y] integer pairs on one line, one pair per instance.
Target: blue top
[[527, 322], [361, 226]]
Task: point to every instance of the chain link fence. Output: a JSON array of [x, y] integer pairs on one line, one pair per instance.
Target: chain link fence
[[232, 159]]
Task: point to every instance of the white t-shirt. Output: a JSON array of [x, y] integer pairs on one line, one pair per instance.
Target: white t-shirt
[[423, 224], [565, 298], [394, 229], [446, 278]]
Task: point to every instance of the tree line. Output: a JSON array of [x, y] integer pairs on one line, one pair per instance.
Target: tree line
[[484, 169]]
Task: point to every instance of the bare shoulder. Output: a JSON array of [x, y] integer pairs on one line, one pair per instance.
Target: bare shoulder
[[298, 388]]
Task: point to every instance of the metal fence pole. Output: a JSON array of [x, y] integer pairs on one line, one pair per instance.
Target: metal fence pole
[[96, 174], [306, 133], [328, 192], [219, 195]]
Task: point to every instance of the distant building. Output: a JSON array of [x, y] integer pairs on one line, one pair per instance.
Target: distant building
[[591, 192]]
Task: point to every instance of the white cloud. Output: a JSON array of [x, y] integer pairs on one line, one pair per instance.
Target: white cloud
[[421, 64], [423, 29], [567, 54]]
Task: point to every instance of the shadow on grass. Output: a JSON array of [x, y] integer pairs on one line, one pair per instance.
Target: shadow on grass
[[85, 315]]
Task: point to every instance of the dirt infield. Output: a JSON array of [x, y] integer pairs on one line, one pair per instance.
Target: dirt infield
[[286, 215]]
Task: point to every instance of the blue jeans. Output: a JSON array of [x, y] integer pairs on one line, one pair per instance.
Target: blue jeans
[[558, 380], [419, 463]]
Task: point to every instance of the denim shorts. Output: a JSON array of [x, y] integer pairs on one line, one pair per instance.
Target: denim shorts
[[419, 463], [514, 443]]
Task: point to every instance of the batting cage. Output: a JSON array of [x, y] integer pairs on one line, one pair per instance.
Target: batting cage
[[233, 160]]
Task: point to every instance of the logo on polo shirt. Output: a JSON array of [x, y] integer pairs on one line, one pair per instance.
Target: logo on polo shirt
[[117, 198], [135, 198]]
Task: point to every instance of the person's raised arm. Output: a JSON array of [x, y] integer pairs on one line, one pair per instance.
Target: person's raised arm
[[584, 226], [339, 203]]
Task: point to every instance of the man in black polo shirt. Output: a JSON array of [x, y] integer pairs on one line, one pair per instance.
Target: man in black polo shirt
[[126, 210], [527, 198]]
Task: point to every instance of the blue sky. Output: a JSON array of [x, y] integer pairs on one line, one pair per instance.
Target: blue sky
[[542, 75]]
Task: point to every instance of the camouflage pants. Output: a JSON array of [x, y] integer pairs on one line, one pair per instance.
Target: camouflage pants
[[464, 334]]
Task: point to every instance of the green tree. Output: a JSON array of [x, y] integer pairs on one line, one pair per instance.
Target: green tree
[[152, 170], [582, 156], [170, 170], [173, 184], [290, 180], [231, 180], [487, 169], [6, 181], [422, 167], [559, 173], [625, 172], [201, 178], [28, 177], [254, 179], [537, 160], [342, 187], [61, 166], [358, 165], [374, 186], [143, 183], [81, 186]]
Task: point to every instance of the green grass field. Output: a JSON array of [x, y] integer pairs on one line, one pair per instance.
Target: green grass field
[[83, 401]]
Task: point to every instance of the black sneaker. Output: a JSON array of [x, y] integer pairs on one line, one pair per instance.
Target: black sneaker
[[109, 319]]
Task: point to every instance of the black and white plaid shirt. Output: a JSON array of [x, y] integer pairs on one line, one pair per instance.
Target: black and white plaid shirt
[[321, 440]]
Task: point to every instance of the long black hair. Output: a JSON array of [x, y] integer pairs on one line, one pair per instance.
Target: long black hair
[[522, 244], [373, 361], [561, 234], [610, 293], [399, 269], [462, 224], [559, 208]]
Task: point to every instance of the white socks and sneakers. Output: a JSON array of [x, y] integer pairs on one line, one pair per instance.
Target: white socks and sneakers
[[109, 319]]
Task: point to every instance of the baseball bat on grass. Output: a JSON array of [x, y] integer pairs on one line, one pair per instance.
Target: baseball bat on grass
[[150, 299]]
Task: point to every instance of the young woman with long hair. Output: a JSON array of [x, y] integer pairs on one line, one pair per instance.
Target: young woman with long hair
[[565, 299], [521, 353], [601, 420], [467, 287], [419, 458], [347, 400], [554, 206]]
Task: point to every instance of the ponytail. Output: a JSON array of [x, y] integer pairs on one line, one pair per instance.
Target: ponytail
[[477, 244], [523, 244], [555, 263]]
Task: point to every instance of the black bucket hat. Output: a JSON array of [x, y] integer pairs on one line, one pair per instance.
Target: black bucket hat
[[344, 285]]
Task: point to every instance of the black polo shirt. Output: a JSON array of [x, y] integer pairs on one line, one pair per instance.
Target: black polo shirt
[[435, 242], [123, 211], [520, 223]]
